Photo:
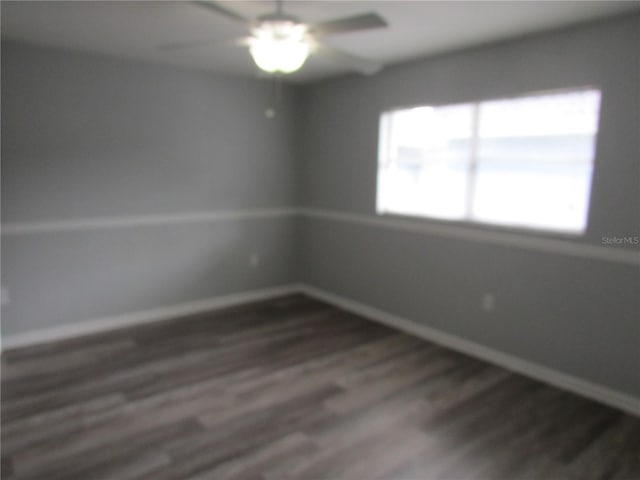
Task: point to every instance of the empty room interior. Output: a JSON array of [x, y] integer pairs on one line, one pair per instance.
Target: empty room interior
[[338, 240]]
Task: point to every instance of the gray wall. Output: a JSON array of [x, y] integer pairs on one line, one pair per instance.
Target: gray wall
[[576, 315], [89, 137]]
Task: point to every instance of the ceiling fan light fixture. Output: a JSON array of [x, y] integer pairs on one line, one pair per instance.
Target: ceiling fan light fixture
[[279, 46]]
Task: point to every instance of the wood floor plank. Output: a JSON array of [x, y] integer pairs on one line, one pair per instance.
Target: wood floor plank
[[364, 394], [36, 371], [293, 388], [239, 436], [255, 462], [473, 447], [101, 460], [128, 423], [22, 434], [613, 453]]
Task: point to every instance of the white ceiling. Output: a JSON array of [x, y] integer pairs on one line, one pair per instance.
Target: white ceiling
[[136, 29]]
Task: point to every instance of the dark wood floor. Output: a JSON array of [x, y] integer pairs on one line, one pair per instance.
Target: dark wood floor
[[293, 389]]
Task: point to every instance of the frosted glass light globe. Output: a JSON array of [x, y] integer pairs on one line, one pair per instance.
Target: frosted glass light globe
[[279, 46]]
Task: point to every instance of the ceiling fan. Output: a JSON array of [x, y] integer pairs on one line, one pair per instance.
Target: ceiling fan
[[281, 43]]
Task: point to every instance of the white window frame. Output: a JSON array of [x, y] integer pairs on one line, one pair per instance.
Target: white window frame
[[384, 147]]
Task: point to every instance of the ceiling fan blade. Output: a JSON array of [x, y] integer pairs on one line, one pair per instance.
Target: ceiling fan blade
[[354, 62], [169, 47], [217, 8], [348, 24]]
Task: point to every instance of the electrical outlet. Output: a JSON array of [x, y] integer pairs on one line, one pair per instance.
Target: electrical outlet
[[254, 260], [488, 302], [4, 296]]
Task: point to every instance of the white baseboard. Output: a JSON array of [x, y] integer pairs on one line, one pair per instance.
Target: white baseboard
[[558, 379], [561, 380], [138, 318]]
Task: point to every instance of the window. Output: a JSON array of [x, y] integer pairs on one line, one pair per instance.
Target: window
[[523, 162]]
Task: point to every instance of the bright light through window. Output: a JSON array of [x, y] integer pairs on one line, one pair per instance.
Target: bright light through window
[[524, 162]]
